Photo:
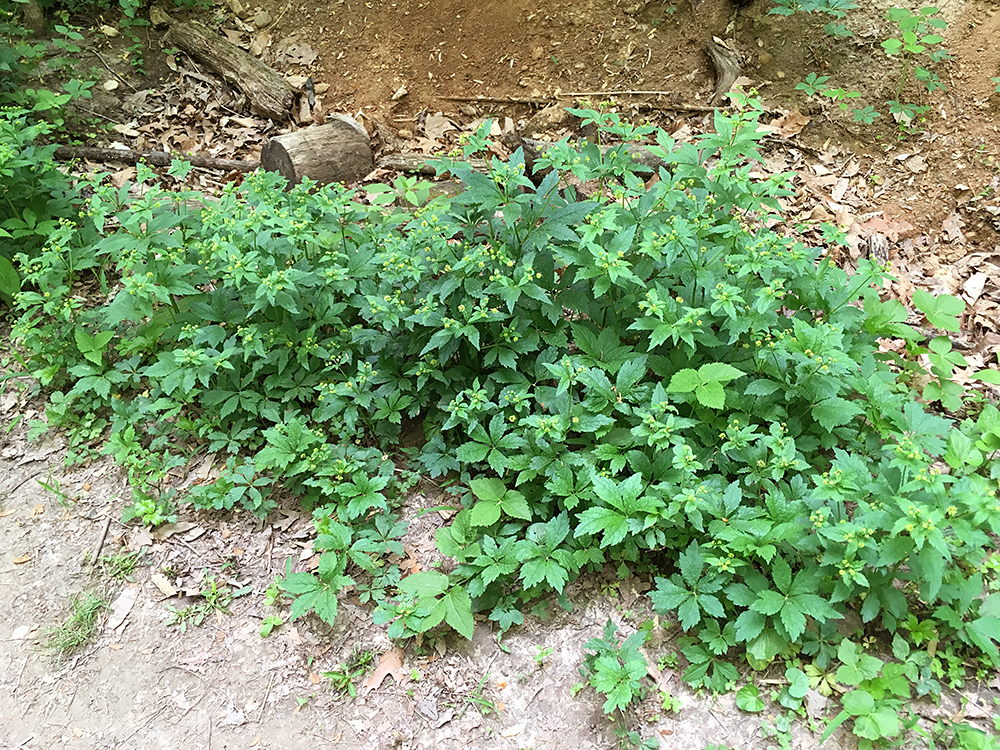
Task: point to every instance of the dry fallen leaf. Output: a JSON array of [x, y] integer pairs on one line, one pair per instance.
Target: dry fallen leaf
[[974, 285], [952, 227], [788, 125], [121, 606], [38, 510], [167, 530], [916, 164], [436, 125], [389, 663], [164, 585]]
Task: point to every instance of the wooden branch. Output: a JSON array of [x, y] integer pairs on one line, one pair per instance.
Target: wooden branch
[[159, 158], [269, 94], [419, 163], [501, 99]]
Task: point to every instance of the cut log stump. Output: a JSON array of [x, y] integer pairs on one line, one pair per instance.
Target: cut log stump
[[339, 151], [269, 94]]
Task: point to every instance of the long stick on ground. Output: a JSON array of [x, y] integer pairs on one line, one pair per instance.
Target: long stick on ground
[[159, 158]]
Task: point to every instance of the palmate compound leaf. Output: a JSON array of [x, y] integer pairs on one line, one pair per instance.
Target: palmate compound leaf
[[313, 594]]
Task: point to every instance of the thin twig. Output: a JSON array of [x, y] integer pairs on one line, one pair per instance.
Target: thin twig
[[625, 92], [100, 543], [143, 723], [500, 99], [114, 73], [263, 704]]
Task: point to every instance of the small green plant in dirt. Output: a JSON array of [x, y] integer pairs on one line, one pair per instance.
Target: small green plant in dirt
[[918, 49], [79, 626], [215, 598], [542, 653], [478, 700], [343, 676], [122, 565], [616, 668], [837, 9]]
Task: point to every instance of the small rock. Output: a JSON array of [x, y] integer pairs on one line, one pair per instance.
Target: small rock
[[765, 58], [405, 134], [537, 52], [109, 31], [158, 17], [110, 85], [550, 118], [261, 19]]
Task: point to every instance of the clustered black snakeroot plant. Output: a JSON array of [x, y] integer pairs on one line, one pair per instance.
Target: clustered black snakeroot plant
[[647, 377]]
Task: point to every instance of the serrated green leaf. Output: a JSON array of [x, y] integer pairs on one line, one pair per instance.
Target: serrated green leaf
[[488, 488], [719, 371], [768, 602], [834, 412], [711, 394], [514, 504], [684, 381], [691, 564], [472, 452], [484, 513], [458, 611]]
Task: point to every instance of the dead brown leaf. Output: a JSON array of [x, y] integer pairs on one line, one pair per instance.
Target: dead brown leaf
[[390, 663], [952, 227], [789, 125], [974, 286], [436, 125], [167, 530], [163, 584], [916, 164]]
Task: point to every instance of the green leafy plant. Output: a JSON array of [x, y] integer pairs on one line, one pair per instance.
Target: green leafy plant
[[646, 377], [215, 598], [813, 84], [917, 41], [542, 654], [615, 669], [343, 676]]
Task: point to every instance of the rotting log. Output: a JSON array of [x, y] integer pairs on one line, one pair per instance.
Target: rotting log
[[269, 94], [158, 158], [420, 163], [339, 151], [727, 68]]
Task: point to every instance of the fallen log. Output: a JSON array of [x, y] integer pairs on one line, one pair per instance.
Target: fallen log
[[269, 94], [158, 158], [420, 163], [339, 151]]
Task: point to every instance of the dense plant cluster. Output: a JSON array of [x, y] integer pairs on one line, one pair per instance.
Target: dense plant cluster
[[645, 376]]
